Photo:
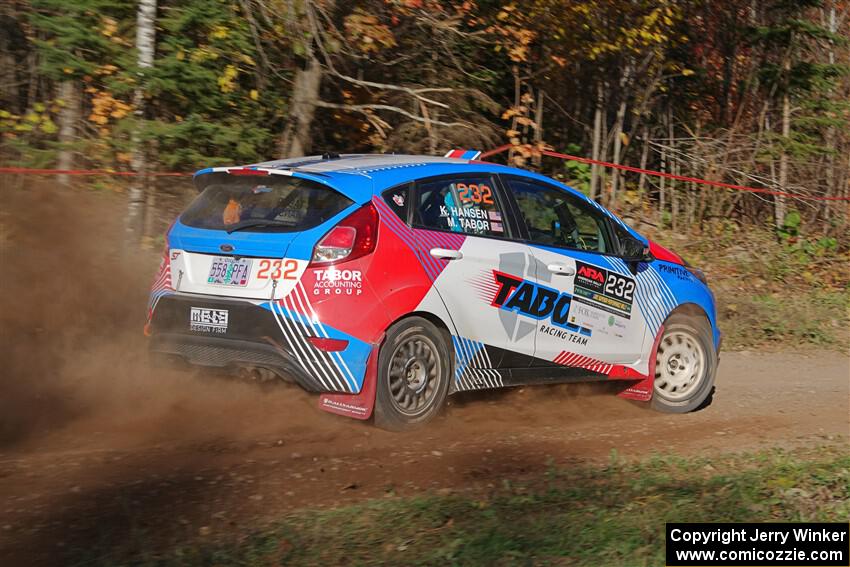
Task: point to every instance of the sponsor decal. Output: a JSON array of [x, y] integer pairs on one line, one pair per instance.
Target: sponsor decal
[[206, 320], [540, 303], [398, 200], [468, 219], [604, 289], [677, 271], [338, 282]]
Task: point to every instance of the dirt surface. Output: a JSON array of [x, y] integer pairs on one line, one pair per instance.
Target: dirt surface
[[97, 448]]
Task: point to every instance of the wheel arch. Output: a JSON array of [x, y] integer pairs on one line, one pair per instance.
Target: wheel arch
[[691, 309]]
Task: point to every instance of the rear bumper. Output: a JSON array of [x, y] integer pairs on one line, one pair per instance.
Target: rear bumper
[[229, 353], [256, 335]]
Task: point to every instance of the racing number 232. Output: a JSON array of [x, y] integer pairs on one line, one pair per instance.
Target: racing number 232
[[620, 287], [277, 269], [475, 193]]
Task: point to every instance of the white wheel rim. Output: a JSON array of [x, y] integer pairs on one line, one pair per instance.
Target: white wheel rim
[[679, 366]]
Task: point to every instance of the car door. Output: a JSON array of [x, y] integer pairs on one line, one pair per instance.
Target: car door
[[595, 322], [465, 244]]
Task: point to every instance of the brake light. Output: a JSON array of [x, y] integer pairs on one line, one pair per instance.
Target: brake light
[[247, 171], [355, 236]]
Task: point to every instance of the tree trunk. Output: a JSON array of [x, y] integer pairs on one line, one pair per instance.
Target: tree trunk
[[145, 47], [618, 132], [597, 139], [830, 132], [296, 139], [779, 209], [69, 117], [644, 155], [538, 131], [779, 203]]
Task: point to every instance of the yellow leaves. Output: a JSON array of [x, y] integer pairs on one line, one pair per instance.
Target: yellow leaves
[[254, 94], [36, 120], [107, 69], [367, 31], [687, 72], [227, 80], [104, 107], [203, 53], [219, 32], [108, 26], [559, 61]]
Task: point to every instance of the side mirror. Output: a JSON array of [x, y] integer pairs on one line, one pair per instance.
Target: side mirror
[[645, 255]]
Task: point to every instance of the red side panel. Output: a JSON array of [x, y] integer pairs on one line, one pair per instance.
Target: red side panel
[[665, 254], [358, 406]]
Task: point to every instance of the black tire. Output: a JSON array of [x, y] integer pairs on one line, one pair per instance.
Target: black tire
[[680, 386], [414, 367]]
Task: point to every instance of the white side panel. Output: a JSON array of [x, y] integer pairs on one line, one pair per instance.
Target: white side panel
[[593, 328], [467, 286]]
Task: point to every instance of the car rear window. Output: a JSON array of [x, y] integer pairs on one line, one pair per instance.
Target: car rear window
[[286, 203]]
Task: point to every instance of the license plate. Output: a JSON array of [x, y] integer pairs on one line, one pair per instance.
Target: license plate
[[229, 271], [208, 320]]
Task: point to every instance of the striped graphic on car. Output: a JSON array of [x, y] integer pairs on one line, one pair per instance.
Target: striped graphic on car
[[653, 295], [419, 241], [297, 321], [161, 285], [473, 369], [580, 361]]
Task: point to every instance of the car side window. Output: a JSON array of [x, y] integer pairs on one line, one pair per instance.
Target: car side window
[[467, 205], [396, 199], [556, 218]]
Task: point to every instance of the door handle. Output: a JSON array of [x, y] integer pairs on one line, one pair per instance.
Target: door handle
[[446, 253], [561, 270]]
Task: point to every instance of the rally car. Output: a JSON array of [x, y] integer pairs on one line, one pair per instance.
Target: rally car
[[387, 282]]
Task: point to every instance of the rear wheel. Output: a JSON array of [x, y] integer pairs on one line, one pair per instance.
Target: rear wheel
[[685, 365], [413, 375]]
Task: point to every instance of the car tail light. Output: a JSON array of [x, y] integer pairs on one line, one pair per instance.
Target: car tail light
[[355, 236]]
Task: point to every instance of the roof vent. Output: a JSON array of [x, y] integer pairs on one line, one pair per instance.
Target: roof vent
[[330, 155]]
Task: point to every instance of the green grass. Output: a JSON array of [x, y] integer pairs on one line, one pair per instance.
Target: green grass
[[611, 515], [817, 318]]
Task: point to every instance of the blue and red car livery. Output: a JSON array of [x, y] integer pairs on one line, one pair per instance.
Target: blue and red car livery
[[391, 281]]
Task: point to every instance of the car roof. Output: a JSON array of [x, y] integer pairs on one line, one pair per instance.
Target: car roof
[[360, 176]]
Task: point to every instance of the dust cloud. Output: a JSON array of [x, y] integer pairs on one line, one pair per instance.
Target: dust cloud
[[76, 372], [73, 354]]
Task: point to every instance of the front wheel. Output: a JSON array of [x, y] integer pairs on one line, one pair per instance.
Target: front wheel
[[685, 365], [413, 375]]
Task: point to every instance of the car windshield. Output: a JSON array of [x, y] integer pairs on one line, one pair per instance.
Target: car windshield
[[273, 203]]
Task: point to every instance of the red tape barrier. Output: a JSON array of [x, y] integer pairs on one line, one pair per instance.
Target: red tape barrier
[[30, 171], [494, 151], [763, 191]]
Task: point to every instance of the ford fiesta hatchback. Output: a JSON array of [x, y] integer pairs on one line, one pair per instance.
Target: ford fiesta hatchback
[[387, 282]]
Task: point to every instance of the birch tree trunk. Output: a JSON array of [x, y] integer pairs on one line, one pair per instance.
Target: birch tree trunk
[[297, 139], [830, 132], [779, 208], [146, 47], [69, 117]]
